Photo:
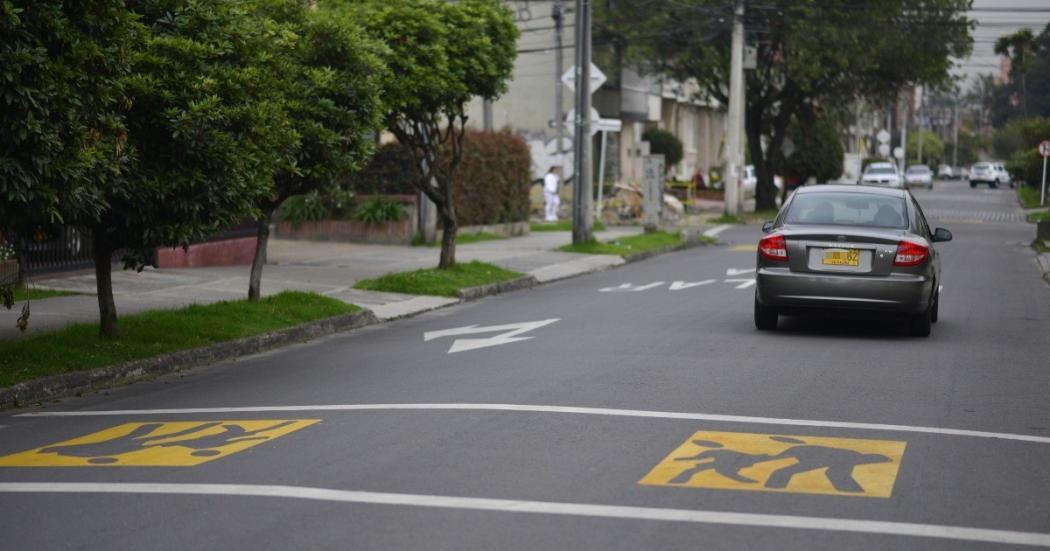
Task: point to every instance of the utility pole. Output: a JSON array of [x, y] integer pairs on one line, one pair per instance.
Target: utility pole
[[736, 113], [581, 199], [559, 116], [922, 123], [955, 132], [486, 114]]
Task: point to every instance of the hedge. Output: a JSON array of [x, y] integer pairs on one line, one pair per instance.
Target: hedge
[[491, 184]]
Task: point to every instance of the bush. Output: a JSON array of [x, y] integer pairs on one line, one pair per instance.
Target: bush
[[662, 142], [378, 210], [334, 204], [490, 186], [818, 152], [1018, 141]]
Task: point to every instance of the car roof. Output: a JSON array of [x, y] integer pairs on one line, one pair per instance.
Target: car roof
[[851, 188]]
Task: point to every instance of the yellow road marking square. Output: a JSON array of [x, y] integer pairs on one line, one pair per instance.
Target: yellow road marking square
[[745, 248], [779, 463], [157, 444]]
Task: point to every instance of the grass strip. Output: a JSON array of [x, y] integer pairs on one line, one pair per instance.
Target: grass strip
[[627, 245], [32, 293], [1039, 217], [563, 225], [78, 347], [444, 283], [465, 238], [746, 217], [1029, 196]]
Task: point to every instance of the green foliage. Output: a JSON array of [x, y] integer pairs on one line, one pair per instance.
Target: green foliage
[[818, 151], [1028, 196], [932, 147], [490, 185], [378, 210], [304, 208], [662, 142], [439, 282], [628, 245], [62, 137], [1018, 142], [814, 53], [563, 225], [78, 348]]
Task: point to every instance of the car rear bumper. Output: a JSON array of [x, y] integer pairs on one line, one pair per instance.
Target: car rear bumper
[[897, 293]]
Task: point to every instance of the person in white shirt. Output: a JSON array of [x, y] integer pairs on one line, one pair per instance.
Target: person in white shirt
[[551, 183]]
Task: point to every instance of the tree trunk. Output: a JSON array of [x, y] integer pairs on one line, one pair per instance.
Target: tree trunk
[[765, 191], [448, 237], [107, 309], [263, 233]]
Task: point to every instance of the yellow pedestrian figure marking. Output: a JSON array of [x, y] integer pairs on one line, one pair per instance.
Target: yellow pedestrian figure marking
[[777, 463], [171, 444]]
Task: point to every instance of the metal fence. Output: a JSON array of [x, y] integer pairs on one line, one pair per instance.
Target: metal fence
[[64, 250]]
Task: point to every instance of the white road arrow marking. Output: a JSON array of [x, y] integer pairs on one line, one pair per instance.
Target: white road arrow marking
[[734, 272], [509, 335], [744, 283], [627, 287], [679, 285]]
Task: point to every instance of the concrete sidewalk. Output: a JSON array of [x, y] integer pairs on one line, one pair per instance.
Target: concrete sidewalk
[[322, 267]]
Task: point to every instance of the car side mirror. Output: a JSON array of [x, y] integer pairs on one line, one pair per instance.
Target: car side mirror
[[941, 234], [767, 227]]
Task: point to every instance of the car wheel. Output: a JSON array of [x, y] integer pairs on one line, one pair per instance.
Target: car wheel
[[973, 184], [765, 317], [935, 308], [1011, 185], [920, 323], [930, 187], [993, 185]]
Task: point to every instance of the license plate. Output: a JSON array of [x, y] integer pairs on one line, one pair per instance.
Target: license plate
[[842, 257]]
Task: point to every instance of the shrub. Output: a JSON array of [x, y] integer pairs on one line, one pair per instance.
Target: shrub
[[490, 186], [378, 210], [303, 208], [1019, 142], [662, 142]]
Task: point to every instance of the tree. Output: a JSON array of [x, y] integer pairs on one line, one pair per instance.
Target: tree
[[61, 129], [809, 53], [1018, 47], [817, 151], [932, 147], [329, 74], [441, 55], [662, 142]]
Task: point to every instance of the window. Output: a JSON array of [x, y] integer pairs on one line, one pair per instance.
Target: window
[[848, 209]]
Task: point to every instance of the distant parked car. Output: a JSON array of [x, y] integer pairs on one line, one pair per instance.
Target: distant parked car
[[751, 179], [993, 174], [919, 175], [945, 172], [881, 174]]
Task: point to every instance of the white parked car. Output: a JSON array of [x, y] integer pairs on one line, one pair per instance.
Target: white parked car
[[751, 179], [992, 173], [945, 172], [881, 174], [919, 175]]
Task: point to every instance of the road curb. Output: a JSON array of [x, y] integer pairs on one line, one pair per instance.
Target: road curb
[[688, 244], [474, 293], [67, 384]]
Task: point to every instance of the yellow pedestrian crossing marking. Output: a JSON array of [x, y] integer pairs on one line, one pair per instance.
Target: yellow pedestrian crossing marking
[[745, 248], [778, 463], [157, 444]]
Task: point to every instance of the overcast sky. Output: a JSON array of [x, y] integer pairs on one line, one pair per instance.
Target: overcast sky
[[995, 18]]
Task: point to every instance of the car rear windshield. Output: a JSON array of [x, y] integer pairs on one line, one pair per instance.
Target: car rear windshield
[[982, 167], [881, 170], [918, 170], [847, 209]]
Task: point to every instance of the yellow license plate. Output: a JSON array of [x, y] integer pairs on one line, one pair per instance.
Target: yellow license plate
[[842, 257]]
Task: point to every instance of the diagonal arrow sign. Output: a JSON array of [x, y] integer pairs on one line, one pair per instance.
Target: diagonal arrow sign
[[679, 285], [509, 334], [734, 272]]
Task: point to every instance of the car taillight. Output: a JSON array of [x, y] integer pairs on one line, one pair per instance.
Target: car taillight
[[773, 247], [910, 254]]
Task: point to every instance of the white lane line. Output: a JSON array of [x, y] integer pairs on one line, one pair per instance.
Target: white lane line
[[548, 508], [554, 409], [713, 232]]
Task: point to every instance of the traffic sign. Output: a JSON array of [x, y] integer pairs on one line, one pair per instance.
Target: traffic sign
[[883, 136], [597, 78], [898, 152], [1044, 148], [884, 149], [570, 121]]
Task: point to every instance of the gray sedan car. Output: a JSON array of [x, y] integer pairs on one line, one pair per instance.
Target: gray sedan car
[[840, 248]]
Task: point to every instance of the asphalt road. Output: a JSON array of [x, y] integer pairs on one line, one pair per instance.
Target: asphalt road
[[650, 415]]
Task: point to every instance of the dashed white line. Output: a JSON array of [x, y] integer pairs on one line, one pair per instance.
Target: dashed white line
[[962, 533], [713, 232], [555, 409]]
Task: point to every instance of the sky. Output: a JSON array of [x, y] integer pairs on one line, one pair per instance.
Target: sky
[[995, 18]]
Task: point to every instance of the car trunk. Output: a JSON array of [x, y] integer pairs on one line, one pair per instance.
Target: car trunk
[[841, 249]]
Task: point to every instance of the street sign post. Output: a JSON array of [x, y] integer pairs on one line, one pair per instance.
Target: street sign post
[[1044, 150]]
